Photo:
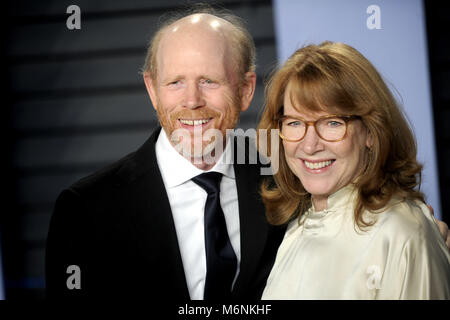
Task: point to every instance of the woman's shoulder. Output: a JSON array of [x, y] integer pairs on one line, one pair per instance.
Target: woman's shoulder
[[417, 259], [408, 219]]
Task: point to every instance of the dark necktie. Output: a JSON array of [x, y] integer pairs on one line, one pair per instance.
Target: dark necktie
[[221, 261]]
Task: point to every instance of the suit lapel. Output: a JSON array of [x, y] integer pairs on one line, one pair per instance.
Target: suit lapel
[[253, 225], [153, 221]]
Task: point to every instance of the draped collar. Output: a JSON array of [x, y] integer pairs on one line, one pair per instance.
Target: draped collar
[[342, 202]]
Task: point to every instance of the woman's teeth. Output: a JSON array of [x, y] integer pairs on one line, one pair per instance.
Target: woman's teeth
[[194, 122], [317, 165]]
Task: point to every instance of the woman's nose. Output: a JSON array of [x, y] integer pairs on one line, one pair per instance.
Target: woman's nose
[[311, 142]]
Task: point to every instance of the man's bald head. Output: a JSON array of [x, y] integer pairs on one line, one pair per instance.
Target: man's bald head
[[206, 22]]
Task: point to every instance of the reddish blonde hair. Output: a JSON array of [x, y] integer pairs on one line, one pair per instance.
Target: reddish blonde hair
[[336, 78]]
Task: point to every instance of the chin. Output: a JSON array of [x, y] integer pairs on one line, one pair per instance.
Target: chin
[[205, 150], [196, 152], [317, 188]]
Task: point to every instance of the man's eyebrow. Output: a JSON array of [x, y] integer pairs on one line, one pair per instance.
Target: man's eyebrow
[[171, 78], [213, 77], [219, 79]]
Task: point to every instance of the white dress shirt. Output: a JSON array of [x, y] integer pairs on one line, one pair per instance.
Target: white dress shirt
[[403, 256], [187, 201]]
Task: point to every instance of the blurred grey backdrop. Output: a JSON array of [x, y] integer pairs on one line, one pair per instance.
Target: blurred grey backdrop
[[74, 101]]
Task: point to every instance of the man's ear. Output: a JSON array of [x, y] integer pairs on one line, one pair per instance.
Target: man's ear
[[248, 90], [151, 89]]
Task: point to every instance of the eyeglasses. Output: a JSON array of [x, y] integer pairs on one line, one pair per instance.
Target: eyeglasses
[[330, 128]]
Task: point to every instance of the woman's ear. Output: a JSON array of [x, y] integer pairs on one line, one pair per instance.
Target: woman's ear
[[369, 140]]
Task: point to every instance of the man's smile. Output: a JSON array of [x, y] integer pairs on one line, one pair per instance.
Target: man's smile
[[194, 122]]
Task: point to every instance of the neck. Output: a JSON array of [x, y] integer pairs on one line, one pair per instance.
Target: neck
[[320, 202], [206, 162], [201, 164]]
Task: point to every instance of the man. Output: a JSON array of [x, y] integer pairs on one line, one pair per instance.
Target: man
[[136, 229]]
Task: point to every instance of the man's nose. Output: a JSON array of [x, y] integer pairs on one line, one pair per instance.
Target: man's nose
[[193, 97], [311, 143]]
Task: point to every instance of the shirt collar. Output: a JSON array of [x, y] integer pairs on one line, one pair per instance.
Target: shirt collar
[[343, 198], [340, 202], [176, 169]]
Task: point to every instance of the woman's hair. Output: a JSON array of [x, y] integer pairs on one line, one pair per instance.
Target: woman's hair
[[336, 78]]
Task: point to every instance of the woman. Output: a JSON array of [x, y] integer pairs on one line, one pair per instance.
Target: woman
[[346, 186]]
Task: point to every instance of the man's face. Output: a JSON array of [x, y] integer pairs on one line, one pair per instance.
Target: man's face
[[196, 87]]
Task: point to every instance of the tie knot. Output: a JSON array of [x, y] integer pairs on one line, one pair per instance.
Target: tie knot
[[210, 181]]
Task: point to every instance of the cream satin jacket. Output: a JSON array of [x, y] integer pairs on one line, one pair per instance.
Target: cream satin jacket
[[402, 256]]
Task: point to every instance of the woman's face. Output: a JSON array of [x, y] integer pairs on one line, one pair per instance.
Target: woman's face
[[325, 167]]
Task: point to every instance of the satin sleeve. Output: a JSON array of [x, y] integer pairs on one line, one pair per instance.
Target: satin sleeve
[[422, 270]]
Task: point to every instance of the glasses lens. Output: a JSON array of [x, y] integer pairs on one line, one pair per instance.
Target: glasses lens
[[292, 129], [331, 128]]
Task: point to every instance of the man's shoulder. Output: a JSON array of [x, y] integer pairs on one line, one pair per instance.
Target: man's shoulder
[[120, 172], [106, 176]]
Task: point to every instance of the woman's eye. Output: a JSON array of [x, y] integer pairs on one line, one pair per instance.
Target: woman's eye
[[294, 123], [335, 123]]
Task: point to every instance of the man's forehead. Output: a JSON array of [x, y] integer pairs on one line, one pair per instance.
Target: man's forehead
[[197, 27], [205, 21], [198, 33]]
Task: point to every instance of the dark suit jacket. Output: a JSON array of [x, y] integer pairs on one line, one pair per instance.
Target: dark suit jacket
[[116, 225]]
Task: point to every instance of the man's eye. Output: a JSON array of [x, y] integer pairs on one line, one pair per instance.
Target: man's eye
[[174, 84], [209, 83]]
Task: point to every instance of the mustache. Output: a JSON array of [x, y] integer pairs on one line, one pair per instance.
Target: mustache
[[203, 113]]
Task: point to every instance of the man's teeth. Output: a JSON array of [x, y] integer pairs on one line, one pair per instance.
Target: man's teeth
[[317, 165], [194, 122]]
